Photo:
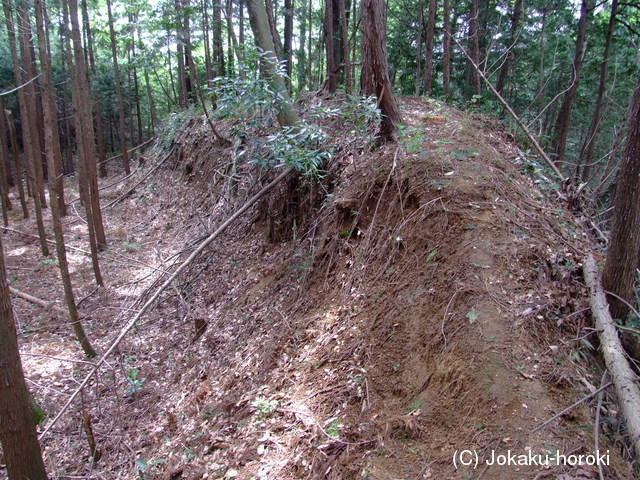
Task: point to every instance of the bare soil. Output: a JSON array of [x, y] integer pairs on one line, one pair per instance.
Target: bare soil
[[424, 298]]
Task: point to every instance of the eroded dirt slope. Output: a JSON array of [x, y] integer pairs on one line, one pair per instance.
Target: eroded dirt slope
[[422, 299]]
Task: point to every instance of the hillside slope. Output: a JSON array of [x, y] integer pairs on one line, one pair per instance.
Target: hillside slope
[[422, 299]]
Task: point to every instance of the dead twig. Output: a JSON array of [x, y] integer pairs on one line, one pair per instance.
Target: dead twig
[[571, 407]]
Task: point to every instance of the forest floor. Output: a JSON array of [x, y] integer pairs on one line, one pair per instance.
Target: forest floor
[[424, 298]]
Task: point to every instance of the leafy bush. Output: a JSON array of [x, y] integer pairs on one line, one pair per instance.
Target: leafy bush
[[299, 147]]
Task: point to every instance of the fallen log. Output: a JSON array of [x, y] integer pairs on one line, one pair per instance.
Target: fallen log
[[38, 301], [622, 376]]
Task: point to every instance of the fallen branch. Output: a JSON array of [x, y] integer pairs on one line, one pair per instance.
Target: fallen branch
[[38, 301], [614, 355], [571, 407], [50, 242], [508, 108], [148, 174], [150, 303]]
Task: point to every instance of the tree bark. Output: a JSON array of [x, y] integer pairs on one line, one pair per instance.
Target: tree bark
[[564, 115], [12, 137], [344, 29], [22, 453], [287, 116], [287, 51], [431, 33], [624, 246], [419, 47], [446, 46], [374, 79], [474, 49], [332, 79], [4, 160], [97, 101]]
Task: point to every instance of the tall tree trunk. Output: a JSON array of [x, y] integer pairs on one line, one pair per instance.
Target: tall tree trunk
[[97, 101], [564, 115], [84, 129], [374, 79], [121, 112], [287, 115], [22, 453], [623, 255], [419, 47], [277, 48], [218, 48], [84, 105], [5, 163], [136, 84], [344, 29], [310, 45], [586, 156], [506, 66], [287, 51], [474, 48], [26, 102], [232, 34], [542, 48], [302, 53], [446, 46], [431, 33], [52, 150], [332, 79], [12, 137], [206, 31]]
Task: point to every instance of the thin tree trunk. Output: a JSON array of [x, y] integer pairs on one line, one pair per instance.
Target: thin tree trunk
[[22, 454], [52, 150], [564, 116], [4, 156], [26, 101], [83, 131], [506, 66], [344, 29], [121, 113], [590, 143], [446, 46], [310, 47], [474, 48], [542, 48], [302, 54], [16, 160], [204, 6], [287, 51], [431, 33], [419, 47], [97, 101], [329, 43]]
